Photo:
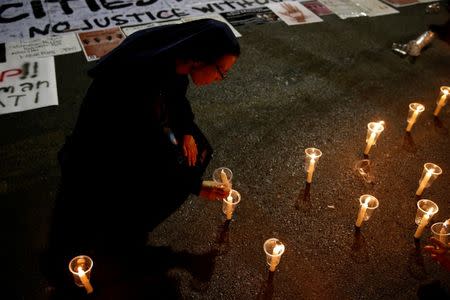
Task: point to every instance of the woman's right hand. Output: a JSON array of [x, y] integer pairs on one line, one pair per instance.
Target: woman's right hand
[[439, 252], [212, 190]]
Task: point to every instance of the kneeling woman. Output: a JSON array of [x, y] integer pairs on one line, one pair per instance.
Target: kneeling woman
[[135, 153]]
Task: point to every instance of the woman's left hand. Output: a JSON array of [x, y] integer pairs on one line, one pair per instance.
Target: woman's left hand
[[190, 149]]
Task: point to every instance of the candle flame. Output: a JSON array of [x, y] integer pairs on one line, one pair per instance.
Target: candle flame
[[429, 212], [278, 249], [80, 271]]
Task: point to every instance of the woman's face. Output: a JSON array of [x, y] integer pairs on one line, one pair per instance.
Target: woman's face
[[203, 74]]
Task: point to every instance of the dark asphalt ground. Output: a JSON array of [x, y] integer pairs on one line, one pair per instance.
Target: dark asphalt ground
[[316, 85]]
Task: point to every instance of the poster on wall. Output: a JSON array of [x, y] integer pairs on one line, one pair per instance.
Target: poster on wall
[[97, 44], [27, 84]]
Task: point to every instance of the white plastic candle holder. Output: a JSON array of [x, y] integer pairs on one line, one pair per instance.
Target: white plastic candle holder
[[367, 205], [273, 249], [223, 175], [230, 202], [374, 129], [429, 174], [441, 231], [426, 209], [415, 109], [311, 159], [444, 95], [81, 267]]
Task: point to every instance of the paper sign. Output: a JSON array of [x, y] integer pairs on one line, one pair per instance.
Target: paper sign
[[42, 47], [27, 84]]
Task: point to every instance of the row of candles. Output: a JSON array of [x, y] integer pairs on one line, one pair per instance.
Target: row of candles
[[81, 266]]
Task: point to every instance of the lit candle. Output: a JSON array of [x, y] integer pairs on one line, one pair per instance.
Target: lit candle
[[368, 204], [84, 280], [374, 130], [430, 173], [424, 182], [310, 171], [423, 222], [229, 209], [276, 256], [81, 267], [361, 214], [230, 203], [414, 110], [426, 209], [224, 178], [273, 249], [311, 159], [442, 100], [444, 231]]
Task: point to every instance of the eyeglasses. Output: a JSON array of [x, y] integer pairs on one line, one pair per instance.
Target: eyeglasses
[[222, 75]]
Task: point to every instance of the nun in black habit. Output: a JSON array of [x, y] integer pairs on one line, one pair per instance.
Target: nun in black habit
[[135, 153]]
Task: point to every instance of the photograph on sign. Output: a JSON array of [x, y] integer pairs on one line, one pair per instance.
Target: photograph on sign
[[97, 44], [293, 13], [317, 7], [260, 15]]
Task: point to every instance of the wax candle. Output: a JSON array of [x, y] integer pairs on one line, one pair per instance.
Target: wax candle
[[311, 159], [224, 178], [276, 256], [423, 222], [444, 230], [426, 209], [81, 267], [442, 100], [374, 130], [273, 249], [424, 182], [230, 203], [310, 171], [414, 110], [87, 285], [361, 214], [229, 209], [368, 204], [430, 173]]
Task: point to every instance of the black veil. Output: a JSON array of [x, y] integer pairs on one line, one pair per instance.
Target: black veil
[[204, 40]]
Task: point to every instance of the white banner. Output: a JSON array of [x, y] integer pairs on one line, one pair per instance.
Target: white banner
[[23, 19], [27, 84]]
